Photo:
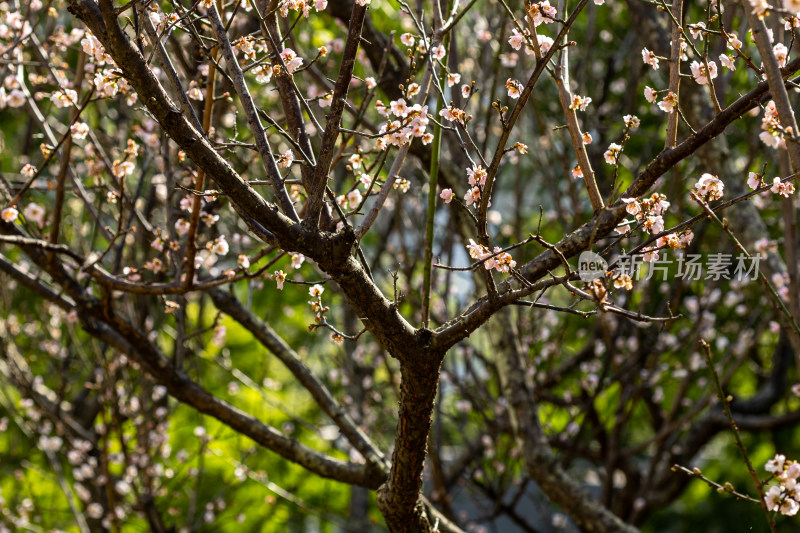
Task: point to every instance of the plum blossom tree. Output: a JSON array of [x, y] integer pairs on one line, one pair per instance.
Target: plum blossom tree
[[317, 265]]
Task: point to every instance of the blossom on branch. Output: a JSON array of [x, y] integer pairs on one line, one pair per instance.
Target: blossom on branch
[[727, 62], [514, 88], [517, 39], [541, 12], [754, 180], [291, 60], [280, 278], [34, 213], [784, 189], [650, 58], [709, 187], [9, 214], [669, 103], [580, 103], [476, 176], [446, 195], [650, 94], [701, 74], [611, 155]]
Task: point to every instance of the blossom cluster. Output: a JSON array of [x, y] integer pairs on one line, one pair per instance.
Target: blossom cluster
[[33, 213], [783, 188], [404, 122], [517, 40], [702, 71], [772, 134], [315, 291], [302, 6], [476, 177], [497, 260], [108, 80], [785, 496], [703, 74], [709, 187], [612, 154], [280, 276], [648, 210], [649, 213]]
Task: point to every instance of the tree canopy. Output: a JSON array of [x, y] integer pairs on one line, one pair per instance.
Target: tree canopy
[[370, 265]]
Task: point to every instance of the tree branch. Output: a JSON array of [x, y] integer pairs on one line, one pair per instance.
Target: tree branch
[[316, 194]]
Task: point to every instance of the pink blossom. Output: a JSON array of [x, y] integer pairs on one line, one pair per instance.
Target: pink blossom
[[399, 108], [64, 98], [542, 12], [612, 154], [286, 159], [473, 196], [580, 102], [669, 103], [650, 94], [218, 246], [632, 122], [696, 30], [700, 74], [447, 195], [16, 98], [316, 290], [650, 58], [654, 224], [650, 255], [514, 88], [34, 213], [709, 187], [354, 198], [509, 60], [775, 465], [789, 507], [291, 60], [545, 43], [733, 42], [773, 497], [477, 251], [781, 53], [727, 62], [9, 214], [297, 260], [453, 114], [632, 206], [773, 140], [476, 175], [79, 130], [28, 171], [181, 226], [754, 180], [516, 40], [785, 189], [759, 6], [280, 279]]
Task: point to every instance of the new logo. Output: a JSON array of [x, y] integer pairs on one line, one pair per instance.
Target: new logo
[[591, 266]]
